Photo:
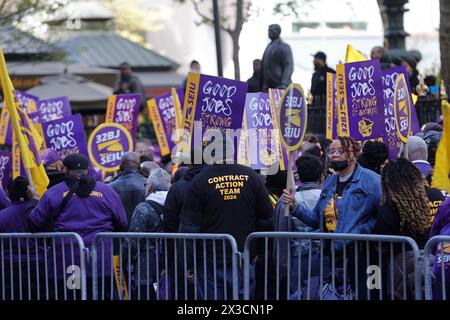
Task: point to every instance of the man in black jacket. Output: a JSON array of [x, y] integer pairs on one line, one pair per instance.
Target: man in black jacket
[[229, 199], [277, 62], [319, 77], [130, 184], [254, 83]]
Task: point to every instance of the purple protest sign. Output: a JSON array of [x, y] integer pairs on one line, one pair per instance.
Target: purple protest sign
[[55, 108], [332, 111], [292, 117], [218, 103], [161, 111], [107, 144], [5, 168], [28, 101], [402, 109], [124, 109], [262, 143], [389, 77], [360, 100], [66, 135]]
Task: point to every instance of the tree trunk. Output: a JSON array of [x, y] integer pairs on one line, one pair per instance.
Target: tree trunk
[[444, 40], [235, 37], [236, 48]]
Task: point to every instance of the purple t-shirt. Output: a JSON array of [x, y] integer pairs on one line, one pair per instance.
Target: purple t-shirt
[[101, 211]]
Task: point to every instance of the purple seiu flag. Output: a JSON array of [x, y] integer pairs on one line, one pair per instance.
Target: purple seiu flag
[[389, 77], [5, 168], [66, 135], [166, 110], [124, 109], [55, 108], [218, 103], [261, 142], [292, 117], [360, 100]]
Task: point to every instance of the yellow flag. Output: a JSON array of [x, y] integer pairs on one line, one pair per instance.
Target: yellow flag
[[28, 138], [441, 178], [353, 55]]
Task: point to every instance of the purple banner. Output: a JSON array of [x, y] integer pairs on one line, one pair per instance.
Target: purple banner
[[217, 102], [66, 135], [5, 168], [107, 144], [124, 109], [162, 113], [332, 111], [292, 117], [28, 101], [360, 100], [55, 108], [391, 138], [262, 141]]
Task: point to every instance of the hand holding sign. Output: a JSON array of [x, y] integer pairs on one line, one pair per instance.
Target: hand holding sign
[[292, 119]]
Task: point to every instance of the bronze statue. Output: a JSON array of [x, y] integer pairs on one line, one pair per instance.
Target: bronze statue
[[277, 62]]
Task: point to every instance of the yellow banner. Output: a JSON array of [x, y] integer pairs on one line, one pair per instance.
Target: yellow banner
[[275, 99], [190, 103], [121, 289], [4, 124], [343, 121], [158, 125], [441, 179], [353, 55], [110, 109], [178, 108], [15, 157]]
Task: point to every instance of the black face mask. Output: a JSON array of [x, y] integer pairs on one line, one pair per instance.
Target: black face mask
[[339, 165]]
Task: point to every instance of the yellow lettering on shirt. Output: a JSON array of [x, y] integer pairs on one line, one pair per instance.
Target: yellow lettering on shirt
[[229, 186], [434, 206], [331, 216]]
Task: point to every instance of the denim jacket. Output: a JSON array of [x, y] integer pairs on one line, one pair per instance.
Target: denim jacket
[[357, 208]]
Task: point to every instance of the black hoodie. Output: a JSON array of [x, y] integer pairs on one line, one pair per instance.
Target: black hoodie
[[175, 199]]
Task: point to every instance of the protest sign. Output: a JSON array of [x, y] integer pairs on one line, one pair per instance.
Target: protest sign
[[124, 109], [55, 108], [391, 138], [402, 109], [332, 111], [292, 120], [107, 144], [5, 168], [360, 100], [66, 135], [161, 111], [261, 144], [217, 103]]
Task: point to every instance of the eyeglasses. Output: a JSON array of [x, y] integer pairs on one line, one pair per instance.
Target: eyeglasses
[[333, 151]]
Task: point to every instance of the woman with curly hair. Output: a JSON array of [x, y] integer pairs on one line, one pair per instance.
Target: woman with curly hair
[[404, 203]]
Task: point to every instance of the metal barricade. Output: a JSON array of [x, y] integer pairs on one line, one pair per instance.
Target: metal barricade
[[438, 248], [42, 266], [164, 266], [326, 266]]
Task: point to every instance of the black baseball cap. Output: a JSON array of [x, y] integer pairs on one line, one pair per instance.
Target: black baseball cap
[[320, 55], [76, 161]]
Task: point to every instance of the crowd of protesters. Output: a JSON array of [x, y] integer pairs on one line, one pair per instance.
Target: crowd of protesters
[[342, 187]]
